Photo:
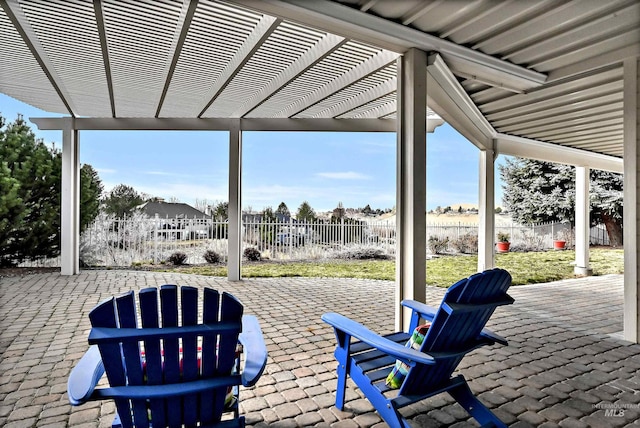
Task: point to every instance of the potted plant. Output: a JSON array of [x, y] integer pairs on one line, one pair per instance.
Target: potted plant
[[560, 242], [503, 242]]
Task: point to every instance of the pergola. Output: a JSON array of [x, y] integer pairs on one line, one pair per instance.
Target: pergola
[[550, 80]]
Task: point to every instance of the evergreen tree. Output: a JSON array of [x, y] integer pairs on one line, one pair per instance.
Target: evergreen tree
[[90, 192], [305, 212], [221, 211], [31, 228], [12, 210], [122, 201], [536, 192], [283, 209], [607, 202], [30, 185], [267, 231]]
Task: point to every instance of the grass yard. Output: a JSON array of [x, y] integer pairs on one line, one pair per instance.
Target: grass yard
[[526, 268]]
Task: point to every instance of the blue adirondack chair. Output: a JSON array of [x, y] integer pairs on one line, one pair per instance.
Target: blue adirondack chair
[[173, 371], [457, 327]]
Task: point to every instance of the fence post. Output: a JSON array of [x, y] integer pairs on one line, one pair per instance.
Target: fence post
[[342, 233], [155, 239]]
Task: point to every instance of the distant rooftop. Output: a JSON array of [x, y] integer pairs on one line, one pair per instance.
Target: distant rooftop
[[171, 210]]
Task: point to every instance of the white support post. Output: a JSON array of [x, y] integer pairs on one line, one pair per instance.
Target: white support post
[[582, 221], [70, 203], [486, 247], [631, 222], [234, 262], [411, 193]]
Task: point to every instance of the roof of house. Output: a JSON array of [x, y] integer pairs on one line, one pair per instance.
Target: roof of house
[[171, 210]]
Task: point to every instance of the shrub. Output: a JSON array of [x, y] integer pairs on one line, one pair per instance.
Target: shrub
[[466, 244], [529, 242], [361, 252], [177, 258], [438, 245], [211, 256], [252, 254], [503, 237]]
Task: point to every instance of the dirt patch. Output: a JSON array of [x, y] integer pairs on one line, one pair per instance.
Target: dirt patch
[[22, 271]]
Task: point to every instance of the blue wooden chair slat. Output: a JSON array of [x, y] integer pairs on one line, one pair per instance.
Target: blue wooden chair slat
[[230, 309], [210, 316], [189, 312], [105, 316], [148, 298], [171, 371], [126, 310], [171, 348], [457, 327]]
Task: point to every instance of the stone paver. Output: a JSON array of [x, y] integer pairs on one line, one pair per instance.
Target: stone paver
[[562, 366]]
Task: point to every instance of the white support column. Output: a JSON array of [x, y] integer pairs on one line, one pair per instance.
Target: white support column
[[631, 222], [234, 262], [70, 203], [411, 193], [486, 247], [582, 221]]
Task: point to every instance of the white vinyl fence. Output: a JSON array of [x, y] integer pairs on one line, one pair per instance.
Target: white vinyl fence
[[142, 240]]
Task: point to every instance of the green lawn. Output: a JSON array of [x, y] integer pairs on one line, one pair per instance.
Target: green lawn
[[526, 268]]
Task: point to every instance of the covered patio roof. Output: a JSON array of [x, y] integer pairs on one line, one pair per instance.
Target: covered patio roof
[[546, 71], [556, 81]]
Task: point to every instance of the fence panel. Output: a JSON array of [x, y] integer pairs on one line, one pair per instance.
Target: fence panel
[[140, 240]]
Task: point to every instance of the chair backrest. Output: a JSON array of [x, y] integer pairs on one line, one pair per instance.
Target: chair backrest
[[463, 313], [171, 348]]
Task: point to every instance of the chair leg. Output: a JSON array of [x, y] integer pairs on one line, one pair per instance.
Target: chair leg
[[464, 396], [341, 386], [393, 418]]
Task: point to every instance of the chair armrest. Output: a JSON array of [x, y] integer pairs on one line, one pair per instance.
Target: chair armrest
[[427, 312], [254, 349], [360, 332], [486, 333], [85, 376]]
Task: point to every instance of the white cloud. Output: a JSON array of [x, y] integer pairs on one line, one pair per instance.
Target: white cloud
[[106, 170], [163, 173], [347, 175]]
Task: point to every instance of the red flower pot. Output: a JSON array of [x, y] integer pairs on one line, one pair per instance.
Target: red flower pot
[[503, 247], [559, 245]]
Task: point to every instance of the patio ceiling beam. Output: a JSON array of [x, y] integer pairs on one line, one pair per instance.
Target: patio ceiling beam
[[102, 34], [324, 47], [260, 33], [22, 25], [355, 24], [182, 29], [215, 124], [450, 101], [377, 62], [532, 149]]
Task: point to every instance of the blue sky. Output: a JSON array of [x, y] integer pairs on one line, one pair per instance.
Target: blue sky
[[322, 168]]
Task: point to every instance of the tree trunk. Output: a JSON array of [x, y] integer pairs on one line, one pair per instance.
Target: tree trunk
[[614, 230]]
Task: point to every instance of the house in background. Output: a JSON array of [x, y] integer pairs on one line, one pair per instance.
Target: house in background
[[176, 220], [175, 210]]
